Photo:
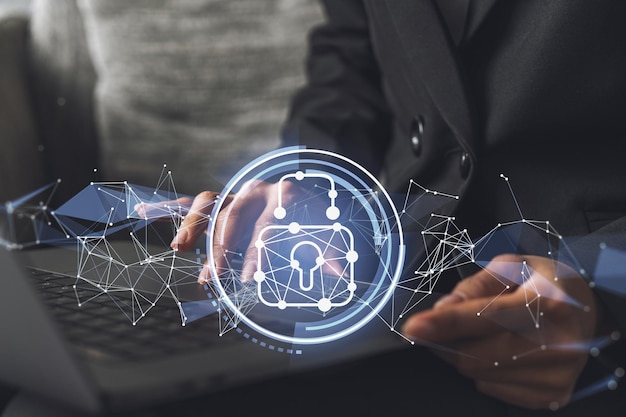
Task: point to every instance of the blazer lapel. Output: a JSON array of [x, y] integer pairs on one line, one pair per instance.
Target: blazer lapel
[[429, 48], [478, 10]]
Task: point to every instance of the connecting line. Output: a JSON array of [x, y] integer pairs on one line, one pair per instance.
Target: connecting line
[[519, 210]]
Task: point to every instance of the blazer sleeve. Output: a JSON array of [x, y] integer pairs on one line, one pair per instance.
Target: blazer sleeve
[[342, 107]]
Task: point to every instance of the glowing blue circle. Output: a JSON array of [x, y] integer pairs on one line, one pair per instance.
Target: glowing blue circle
[[351, 318]]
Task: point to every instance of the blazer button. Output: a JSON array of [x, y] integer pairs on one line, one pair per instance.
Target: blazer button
[[417, 134], [465, 164]]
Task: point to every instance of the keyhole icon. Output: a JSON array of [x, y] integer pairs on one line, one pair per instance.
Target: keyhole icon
[[306, 258]]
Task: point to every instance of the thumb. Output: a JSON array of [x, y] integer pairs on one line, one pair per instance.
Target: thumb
[[499, 276]]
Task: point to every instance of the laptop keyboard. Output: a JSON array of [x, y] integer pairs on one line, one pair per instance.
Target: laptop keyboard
[[100, 329]]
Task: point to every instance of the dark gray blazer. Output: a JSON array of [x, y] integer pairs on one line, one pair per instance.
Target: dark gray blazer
[[535, 90]]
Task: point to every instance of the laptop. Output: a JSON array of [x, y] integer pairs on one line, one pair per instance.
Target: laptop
[[74, 335], [91, 358]]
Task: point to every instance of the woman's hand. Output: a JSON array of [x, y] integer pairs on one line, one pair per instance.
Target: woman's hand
[[520, 328]]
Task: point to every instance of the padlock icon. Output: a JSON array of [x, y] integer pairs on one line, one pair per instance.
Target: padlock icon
[[306, 265]]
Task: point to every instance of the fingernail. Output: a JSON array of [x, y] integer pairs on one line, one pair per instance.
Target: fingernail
[[448, 299], [247, 271], [203, 277], [180, 239], [140, 209], [417, 329]]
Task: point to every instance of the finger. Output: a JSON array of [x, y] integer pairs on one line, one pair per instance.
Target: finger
[[550, 373], [462, 320], [496, 278], [252, 261], [195, 222], [205, 275], [513, 358], [163, 210], [234, 221]]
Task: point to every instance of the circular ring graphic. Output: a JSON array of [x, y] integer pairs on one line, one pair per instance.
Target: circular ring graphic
[[307, 246]]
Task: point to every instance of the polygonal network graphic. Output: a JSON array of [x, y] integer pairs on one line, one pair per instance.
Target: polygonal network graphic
[[121, 253], [26, 222], [326, 258]]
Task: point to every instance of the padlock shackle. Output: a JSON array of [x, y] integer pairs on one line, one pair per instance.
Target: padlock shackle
[[332, 212]]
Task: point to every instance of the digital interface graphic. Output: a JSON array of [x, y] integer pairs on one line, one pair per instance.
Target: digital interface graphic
[[329, 257], [304, 248]]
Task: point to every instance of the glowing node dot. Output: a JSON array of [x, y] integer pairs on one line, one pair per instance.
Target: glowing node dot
[[319, 261], [324, 304], [615, 336], [352, 288], [478, 314], [336, 227], [514, 358], [259, 276], [594, 351], [295, 264], [332, 194], [259, 244], [543, 347], [280, 212], [496, 364], [332, 213], [619, 372], [299, 175], [352, 256], [612, 385], [294, 228], [282, 304], [587, 309]]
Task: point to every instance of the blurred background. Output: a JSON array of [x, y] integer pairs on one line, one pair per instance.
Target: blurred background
[[113, 90], [11, 5]]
